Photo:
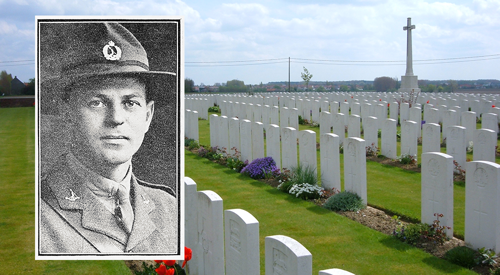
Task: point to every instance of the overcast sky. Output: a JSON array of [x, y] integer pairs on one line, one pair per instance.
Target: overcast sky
[[340, 34]]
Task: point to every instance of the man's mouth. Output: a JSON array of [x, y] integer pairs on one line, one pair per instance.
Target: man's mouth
[[114, 137]]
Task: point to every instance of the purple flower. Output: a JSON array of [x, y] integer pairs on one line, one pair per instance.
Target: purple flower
[[258, 167]]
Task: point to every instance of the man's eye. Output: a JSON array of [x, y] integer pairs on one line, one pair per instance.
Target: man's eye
[[131, 103], [96, 104]]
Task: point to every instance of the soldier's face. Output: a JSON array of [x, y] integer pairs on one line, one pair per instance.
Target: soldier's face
[[109, 120]]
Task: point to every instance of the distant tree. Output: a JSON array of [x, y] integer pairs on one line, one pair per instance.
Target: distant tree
[[30, 88], [453, 86], [384, 83], [5, 80], [321, 89], [234, 86], [306, 76], [188, 85], [344, 88]]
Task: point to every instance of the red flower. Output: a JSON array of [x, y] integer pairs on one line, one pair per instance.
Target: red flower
[[380, 99], [427, 101], [351, 96], [345, 100], [188, 254], [388, 104], [492, 106], [162, 270], [169, 262]]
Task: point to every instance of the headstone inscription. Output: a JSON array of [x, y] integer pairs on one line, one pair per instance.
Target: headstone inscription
[[241, 242], [285, 255]]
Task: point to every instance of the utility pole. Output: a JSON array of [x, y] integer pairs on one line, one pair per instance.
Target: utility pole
[[289, 75]]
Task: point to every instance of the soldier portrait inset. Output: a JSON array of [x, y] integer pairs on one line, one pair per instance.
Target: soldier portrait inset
[[109, 138]]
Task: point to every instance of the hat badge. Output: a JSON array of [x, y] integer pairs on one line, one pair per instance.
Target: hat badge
[[111, 51]]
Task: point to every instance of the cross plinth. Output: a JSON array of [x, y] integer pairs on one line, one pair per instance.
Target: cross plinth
[[409, 82]]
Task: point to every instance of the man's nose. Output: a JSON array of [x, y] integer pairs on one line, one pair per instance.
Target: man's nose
[[116, 115]]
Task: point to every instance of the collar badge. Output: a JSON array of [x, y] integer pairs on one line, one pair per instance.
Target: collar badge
[[111, 51], [73, 196]]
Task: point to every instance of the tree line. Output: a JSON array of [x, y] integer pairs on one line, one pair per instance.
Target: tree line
[[6, 87]]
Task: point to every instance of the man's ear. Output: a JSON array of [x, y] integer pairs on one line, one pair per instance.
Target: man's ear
[[149, 114]]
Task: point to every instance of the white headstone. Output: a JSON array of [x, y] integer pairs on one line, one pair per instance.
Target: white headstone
[[370, 129], [482, 208], [339, 126], [456, 146], [404, 112], [257, 140], [284, 116], [209, 250], [307, 149], [354, 126], [416, 115], [469, 122], [431, 138], [234, 136], [344, 109], [285, 255], [224, 133], [191, 213], [437, 189], [485, 141], [246, 140], [450, 118], [325, 122], [389, 139], [355, 167], [394, 111], [288, 147], [334, 271], [330, 161], [241, 242], [274, 115], [214, 130], [409, 138], [489, 121], [273, 143]]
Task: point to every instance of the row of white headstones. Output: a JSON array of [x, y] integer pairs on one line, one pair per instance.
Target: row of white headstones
[[482, 196], [227, 242]]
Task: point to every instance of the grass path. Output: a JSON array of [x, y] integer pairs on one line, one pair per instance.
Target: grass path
[[333, 240], [17, 203]]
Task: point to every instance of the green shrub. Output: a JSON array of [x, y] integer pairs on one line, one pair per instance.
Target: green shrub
[[235, 164], [462, 256], [304, 174], [193, 145], [188, 141], [214, 109], [496, 272], [344, 201], [411, 233]]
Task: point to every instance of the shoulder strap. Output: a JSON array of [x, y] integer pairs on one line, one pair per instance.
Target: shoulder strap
[[101, 242]]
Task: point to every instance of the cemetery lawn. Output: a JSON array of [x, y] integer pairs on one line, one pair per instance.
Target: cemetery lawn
[[389, 188], [17, 203], [333, 240]]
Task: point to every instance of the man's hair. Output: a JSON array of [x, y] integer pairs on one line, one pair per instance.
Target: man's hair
[[99, 80]]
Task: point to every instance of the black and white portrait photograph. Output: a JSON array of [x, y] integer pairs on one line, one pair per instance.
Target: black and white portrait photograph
[[109, 158]]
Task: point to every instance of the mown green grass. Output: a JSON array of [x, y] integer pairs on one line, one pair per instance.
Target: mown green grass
[[333, 240], [17, 204]]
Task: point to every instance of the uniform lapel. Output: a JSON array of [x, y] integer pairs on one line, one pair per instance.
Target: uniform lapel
[[72, 194], [143, 207]]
